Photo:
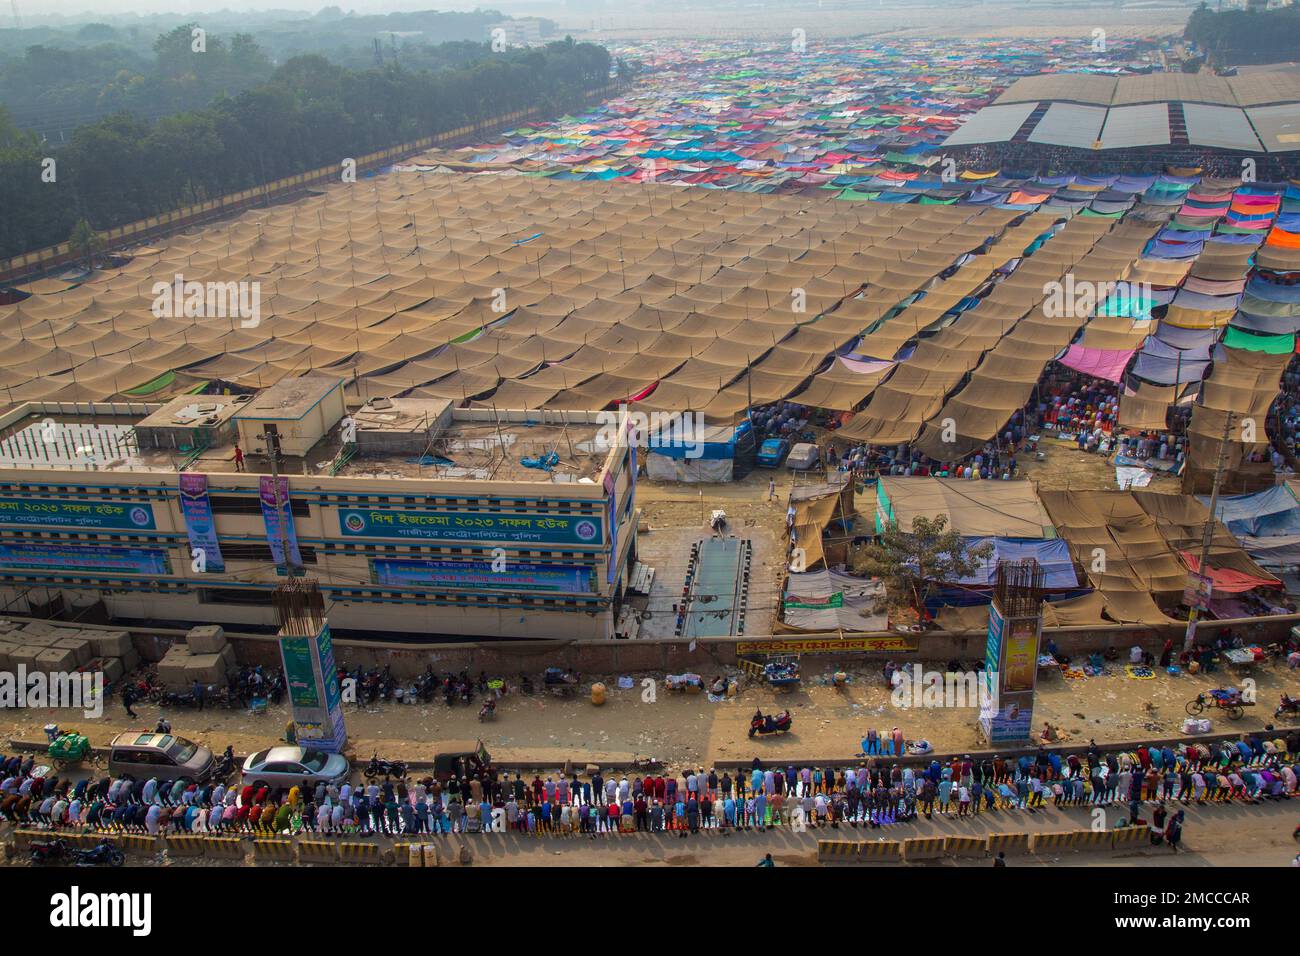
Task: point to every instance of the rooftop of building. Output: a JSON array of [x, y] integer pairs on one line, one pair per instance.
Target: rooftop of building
[[407, 438]]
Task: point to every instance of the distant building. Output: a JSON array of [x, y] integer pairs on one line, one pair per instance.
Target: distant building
[[517, 33]]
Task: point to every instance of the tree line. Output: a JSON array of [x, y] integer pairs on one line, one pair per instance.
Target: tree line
[[309, 113], [1246, 36]]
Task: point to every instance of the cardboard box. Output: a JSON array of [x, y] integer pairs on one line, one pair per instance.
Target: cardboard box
[[6, 649], [38, 640], [130, 661], [208, 639]]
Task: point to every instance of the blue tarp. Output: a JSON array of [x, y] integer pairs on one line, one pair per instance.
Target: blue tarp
[[1270, 512], [1052, 554]]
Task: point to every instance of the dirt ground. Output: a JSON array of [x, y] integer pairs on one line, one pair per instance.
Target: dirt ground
[[1064, 467], [685, 729]]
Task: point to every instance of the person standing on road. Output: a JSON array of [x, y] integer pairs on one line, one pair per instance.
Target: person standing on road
[[1174, 831]]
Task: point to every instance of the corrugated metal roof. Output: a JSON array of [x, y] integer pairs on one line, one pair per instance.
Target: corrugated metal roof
[[1278, 126], [993, 124], [1223, 126], [1146, 125], [1067, 124]]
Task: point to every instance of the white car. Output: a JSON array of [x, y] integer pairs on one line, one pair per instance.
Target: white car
[[294, 766]]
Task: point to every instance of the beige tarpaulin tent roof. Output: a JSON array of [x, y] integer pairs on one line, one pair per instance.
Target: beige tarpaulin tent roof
[[1147, 409], [974, 509]]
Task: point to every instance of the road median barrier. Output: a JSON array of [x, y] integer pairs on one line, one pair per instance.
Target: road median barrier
[[1094, 840], [1055, 842], [1129, 837], [185, 844], [223, 848], [273, 851], [923, 848], [360, 853], [131, 842], [1008, 843], [317, 851], [836, 851], [880, 850], [965, 846]]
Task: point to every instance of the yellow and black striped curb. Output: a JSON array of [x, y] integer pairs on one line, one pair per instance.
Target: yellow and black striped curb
[[1130, 836], [965, 846], [132, 842], [317, 851], [223, 848], [1094, 840], [1008, 843], [1056, 841], [923, 848], [360, 853], [836, 850], [880, 850], [273, 851], [184, 844]]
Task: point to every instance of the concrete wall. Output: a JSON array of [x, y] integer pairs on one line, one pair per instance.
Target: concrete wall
[[668, 655]]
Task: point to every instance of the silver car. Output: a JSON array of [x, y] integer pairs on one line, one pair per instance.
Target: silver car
[[294, 766]]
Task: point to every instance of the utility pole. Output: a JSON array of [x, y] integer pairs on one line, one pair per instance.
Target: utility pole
[[1203, 570]]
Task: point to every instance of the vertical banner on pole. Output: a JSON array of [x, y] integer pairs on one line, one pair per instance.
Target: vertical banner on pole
[[277, 509], [199, 525]]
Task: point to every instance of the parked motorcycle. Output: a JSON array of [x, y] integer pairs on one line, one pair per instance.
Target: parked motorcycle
[[771, 724], [385, 768], [488, 711], [225, 765], [50, 851], [1289, 707], [104, 854]]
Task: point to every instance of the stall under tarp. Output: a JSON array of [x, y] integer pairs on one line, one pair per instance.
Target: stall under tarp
[[973, 508], [814, 513], [1226, 580], [1107, 364], [828, 601], [1272, 511], [1052, 554], [1267, 524], [1075, 612], [700, 453]]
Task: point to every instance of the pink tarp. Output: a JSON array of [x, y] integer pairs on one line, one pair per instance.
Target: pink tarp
[[1107, 364]]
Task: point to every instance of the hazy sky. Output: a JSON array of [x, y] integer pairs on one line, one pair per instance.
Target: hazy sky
[[32, 10]]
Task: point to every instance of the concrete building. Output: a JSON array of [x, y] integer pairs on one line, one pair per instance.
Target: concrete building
[[416, 517]]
